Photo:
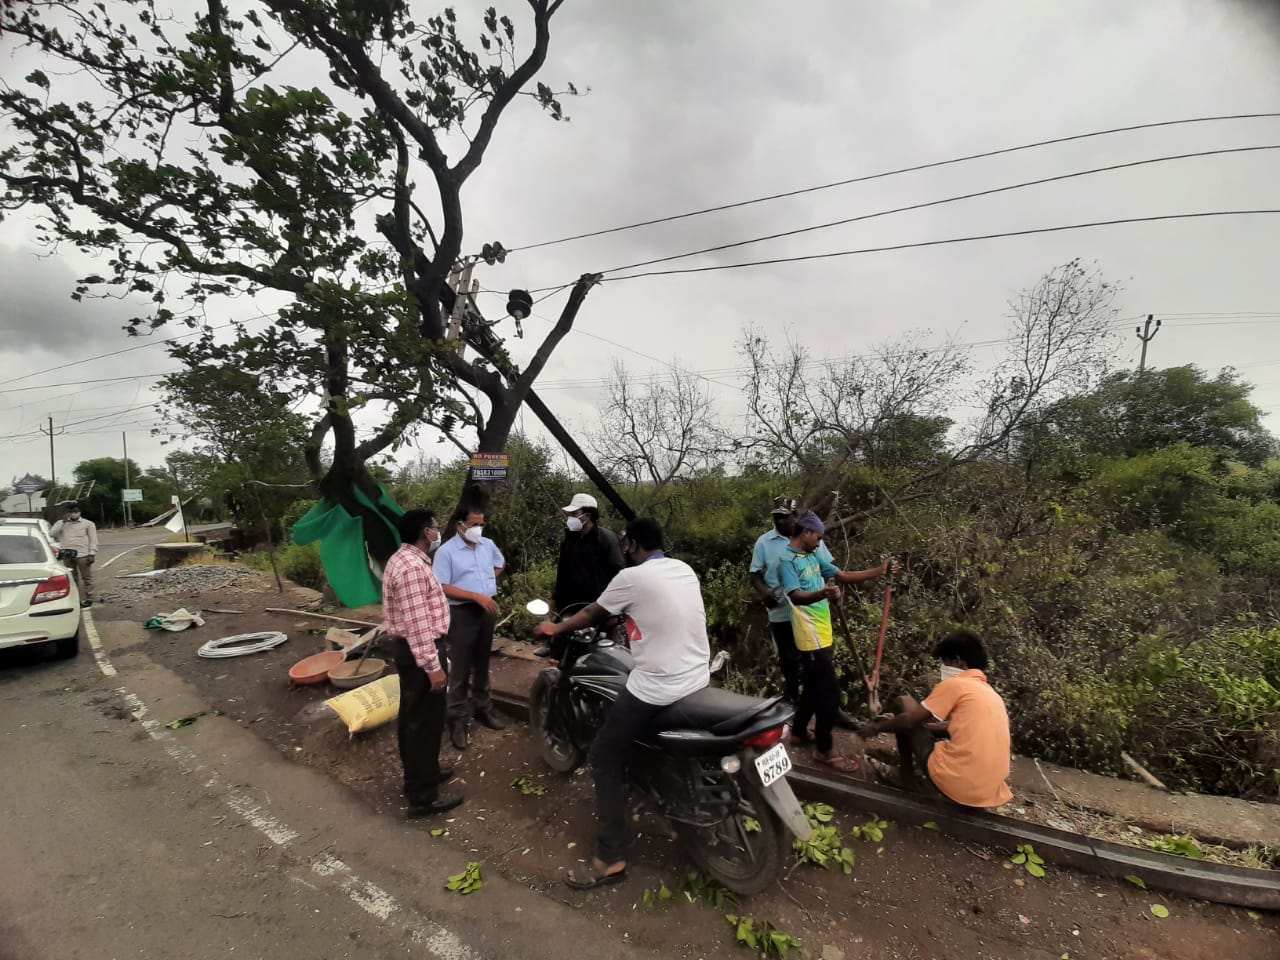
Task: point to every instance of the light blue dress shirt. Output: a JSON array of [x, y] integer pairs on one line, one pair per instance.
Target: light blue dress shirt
[[458, 565]]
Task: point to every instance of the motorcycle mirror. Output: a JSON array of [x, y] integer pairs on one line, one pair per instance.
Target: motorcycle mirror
[[539, 608]]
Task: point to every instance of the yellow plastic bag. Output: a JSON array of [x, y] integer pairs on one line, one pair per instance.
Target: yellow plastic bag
[[370, 706]]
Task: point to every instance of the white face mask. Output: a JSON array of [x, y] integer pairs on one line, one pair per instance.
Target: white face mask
[[948, 672], [574, 524], [473, 534]]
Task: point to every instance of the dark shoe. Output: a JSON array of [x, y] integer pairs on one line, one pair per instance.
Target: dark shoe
[[86, 603], [845, 722], [491, 720], [458, 735], [441, 804]]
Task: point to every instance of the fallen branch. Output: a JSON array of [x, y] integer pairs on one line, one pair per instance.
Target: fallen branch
[[216, 610], [1143, 772], [320, 616]]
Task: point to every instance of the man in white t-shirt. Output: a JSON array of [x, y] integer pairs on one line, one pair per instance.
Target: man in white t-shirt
[[663, 598]]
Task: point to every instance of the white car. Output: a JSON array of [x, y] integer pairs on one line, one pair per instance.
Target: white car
[[39, 601], [34, 523]]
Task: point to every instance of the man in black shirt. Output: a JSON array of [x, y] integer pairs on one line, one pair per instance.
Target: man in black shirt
[[590, 556]]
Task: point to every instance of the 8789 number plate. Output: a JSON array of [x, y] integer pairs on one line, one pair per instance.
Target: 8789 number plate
[[773, 764]]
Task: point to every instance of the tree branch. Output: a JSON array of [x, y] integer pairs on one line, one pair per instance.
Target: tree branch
[[506, 93]]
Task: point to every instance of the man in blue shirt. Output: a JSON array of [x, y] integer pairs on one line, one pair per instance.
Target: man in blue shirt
[[467, 565], [771, 547]]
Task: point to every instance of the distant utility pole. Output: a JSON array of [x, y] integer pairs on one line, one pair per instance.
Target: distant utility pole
[[53, 472], [1146, 335], [128, 507]]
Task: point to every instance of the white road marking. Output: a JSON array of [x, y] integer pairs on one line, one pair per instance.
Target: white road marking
[[96, 643], [123, 552], [369, 897]]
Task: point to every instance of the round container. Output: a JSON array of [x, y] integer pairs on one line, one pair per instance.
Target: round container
[[353, 673], [315, 668]]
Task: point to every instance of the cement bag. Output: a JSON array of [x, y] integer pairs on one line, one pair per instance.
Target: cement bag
[[370, 706]]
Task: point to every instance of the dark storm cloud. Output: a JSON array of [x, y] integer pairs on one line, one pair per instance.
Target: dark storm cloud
[[39, 314]]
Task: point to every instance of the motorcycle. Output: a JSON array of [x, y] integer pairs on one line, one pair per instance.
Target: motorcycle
[[714, 766]]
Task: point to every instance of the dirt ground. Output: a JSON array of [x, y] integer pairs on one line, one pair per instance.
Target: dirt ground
[[915, 894]]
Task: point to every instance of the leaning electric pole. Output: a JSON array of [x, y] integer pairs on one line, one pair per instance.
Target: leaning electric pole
[[1146, 335]]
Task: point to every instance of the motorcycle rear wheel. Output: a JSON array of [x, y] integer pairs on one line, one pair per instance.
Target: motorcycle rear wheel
[[558, 750], [747, 861]]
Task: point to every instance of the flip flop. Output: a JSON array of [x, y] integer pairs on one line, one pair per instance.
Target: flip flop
[[592, 877], [836, 762]]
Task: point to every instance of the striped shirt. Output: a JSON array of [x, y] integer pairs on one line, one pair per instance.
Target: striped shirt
[[414, 605]]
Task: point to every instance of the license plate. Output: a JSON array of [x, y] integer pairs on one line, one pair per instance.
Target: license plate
[[772, 764]]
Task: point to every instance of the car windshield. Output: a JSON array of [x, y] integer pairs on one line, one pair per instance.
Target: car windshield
[[21, 550]]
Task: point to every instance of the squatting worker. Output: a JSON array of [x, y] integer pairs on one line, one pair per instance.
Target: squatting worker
[[802, 575], [416, 614], [958, 739], [590, 556], [468, 565], [770, 547], [663, 597], [74, 532]]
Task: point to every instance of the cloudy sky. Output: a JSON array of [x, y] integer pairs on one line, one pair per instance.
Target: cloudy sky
[[703, 102]]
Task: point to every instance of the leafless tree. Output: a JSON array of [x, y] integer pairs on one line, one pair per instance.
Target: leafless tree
[[807, 414], [656, 431], [1060, 341]]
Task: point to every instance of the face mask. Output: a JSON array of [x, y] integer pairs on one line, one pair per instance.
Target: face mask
[[473, 534], [433, 546], [948, 672], [574, 524]]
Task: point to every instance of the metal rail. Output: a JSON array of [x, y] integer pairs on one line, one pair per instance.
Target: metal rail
[[1220, 883]]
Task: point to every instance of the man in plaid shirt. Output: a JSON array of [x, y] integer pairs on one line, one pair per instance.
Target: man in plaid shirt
[[416, 615]]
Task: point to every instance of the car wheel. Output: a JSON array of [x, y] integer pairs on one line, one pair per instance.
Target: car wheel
[[68, 648]]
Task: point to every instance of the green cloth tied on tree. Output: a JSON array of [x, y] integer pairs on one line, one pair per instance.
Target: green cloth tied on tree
[[346, 559]]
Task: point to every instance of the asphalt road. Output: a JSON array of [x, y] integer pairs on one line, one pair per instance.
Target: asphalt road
[[123, 838], [115, 543]]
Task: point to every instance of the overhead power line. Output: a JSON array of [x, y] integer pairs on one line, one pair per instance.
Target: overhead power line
[[891, 173], [939, 243], [76, 383], [936, 203]]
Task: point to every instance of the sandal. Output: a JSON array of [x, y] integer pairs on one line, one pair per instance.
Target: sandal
[[836, 762], [593, 876]]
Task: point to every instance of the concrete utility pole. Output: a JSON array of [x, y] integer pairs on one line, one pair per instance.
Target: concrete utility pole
[[53, 472], [1146, 335], [128, 507]]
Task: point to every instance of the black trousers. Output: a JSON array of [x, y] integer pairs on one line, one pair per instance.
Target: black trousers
[[420, 724], [470, 647], [914, 748], [819, 696], [628, 718], [784, 638]]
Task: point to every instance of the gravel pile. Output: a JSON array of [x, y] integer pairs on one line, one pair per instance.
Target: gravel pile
[[195, 578]]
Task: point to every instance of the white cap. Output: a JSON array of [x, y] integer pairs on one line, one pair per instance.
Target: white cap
[[579, 501]]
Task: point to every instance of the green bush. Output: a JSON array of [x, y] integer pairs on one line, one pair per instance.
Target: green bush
[[302, 565], [532, 583]]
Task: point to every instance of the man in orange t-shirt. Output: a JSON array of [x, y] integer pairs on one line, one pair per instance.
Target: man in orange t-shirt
[[958, 739]]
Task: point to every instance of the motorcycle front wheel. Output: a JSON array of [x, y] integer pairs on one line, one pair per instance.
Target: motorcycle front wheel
[[550, 729], [747, 851]]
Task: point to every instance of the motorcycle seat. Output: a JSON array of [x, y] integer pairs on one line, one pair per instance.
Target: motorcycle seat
[[719, 711]]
